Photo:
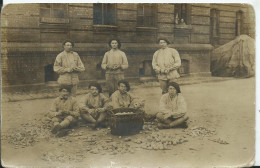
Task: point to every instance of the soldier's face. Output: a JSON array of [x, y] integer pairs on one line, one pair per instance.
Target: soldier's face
[[65, 93], [122, 88], [172, 91], [114, 44], [163, 43], [67, 46], [94, 90]]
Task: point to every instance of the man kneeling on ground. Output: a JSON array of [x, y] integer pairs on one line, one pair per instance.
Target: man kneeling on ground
[[93, 108], [121, 98], [172, 108], [64, 112]]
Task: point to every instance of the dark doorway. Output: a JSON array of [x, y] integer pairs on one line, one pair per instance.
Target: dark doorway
[[185, 67], [50, 75], [146, 69]]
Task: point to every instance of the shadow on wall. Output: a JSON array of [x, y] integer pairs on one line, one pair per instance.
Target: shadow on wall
[[99, 69]]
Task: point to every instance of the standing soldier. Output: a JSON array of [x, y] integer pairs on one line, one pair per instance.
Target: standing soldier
[[114, 62], [68, 65], [166, 61]]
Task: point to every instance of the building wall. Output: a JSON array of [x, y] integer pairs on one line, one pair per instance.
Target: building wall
[[30, 43]]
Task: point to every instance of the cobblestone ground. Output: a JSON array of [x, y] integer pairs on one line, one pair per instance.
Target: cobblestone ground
[[220, 133]]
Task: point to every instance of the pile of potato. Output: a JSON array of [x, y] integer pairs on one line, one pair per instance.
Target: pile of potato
[[160, 141], [200, 131], [110, 148], [26, 135], [124, 113]]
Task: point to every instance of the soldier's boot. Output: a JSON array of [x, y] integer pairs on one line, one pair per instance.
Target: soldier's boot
[[101, 120], [178, 122], [56, 128], [65, 123], [62, 132]]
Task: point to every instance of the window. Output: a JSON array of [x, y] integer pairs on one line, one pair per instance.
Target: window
[[182, 11], [54, 22], [214, 25], [146, 15], [53, 10], [104, 14], [239, 16]]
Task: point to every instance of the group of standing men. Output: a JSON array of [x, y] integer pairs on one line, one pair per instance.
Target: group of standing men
[[93, 108]]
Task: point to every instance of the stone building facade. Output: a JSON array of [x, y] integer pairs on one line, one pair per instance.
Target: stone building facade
[[32, 35]]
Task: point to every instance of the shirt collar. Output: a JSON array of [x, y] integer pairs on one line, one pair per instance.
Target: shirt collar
[[61, 98], [67, 52]]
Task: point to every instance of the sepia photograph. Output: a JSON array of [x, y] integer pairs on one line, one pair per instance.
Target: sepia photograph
[[128, 85]]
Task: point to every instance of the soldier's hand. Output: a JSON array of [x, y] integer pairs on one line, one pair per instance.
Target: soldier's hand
[[108, 67], [137, 105], [166, 71], [75, 114], [100, 110], [76, 69], [157, 71], [69, 69], [162, 70], [116, 67], [167, 115], [91, 111]]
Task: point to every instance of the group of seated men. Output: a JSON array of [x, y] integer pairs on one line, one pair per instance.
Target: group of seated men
[[94, 107]]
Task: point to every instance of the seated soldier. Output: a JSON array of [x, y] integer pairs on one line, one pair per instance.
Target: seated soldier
[[93, 108], [121, 98], [172, 108], [64, 111]]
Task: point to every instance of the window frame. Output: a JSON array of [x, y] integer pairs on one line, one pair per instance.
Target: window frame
[[52, 8], [214, 20], [239, 28], [102, 15], [154, 9]]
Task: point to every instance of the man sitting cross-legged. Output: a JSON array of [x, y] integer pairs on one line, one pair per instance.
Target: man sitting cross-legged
[[172, 108], [93, 108]]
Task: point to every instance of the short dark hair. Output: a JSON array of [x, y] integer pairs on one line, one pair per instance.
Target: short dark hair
[[67, 87], [118, 41], [165, 39], [175, 85], [70, 41], [125, 83], [97, 85]]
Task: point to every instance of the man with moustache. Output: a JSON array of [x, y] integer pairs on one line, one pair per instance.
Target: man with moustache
[[93, 108], [64, 112]]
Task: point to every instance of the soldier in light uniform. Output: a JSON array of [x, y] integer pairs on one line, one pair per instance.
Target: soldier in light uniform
[[93, 107], [114, 62], [165, 62], [68, 65], [64, 111]]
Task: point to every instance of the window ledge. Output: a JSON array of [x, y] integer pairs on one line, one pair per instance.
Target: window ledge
[[147, 29], [104, 27], [54, 20], [184, 26]]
